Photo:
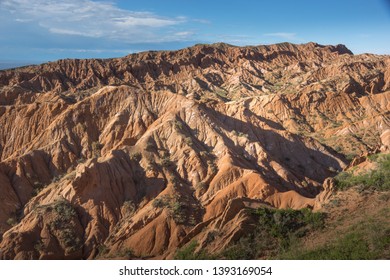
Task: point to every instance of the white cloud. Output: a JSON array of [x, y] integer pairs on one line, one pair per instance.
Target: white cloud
[[92, 51], [283, 35], [92, 19], [74, 32], [184, 33]]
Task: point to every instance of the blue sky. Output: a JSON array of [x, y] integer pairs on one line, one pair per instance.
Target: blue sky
[[43, 30]]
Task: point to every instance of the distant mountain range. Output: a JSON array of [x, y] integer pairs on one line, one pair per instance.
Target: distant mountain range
[[14, 64]]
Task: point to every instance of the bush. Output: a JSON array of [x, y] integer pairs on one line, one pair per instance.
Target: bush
[[166, 161], [136, 156], [378, 179], [177, 208], [128, 208], [63, 225], [64, 210], [96, 148], [188, 253], [149, 146], [178, 125], [188, 141], [178, 212], [276, 231], [174, 180], [213, 166], [127, 253], [12, 221], [244, 249], [159, 202]]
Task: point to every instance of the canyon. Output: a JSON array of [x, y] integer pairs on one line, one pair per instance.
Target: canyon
[[139, 156]]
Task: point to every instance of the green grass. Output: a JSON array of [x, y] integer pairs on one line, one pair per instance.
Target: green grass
[[363, 241], [378, 179]]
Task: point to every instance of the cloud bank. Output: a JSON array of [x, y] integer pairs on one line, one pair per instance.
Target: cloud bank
[[96, 20]]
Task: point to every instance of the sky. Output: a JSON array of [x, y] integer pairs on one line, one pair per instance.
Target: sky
[[46, 30]]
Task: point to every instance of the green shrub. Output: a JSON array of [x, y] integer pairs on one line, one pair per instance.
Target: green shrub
[[126, 253], [213, 166], [149, 146], [159, 202], [275, 232], [57, 178], [377, 179], [12, 221], [96, 148], [136, 156], [188, 253], [178, 212], [63, 225], [64, 210], [128, 208], [39, 246], [178, 125], [188, 141], [244, 249], [166, 161], [176, 207]]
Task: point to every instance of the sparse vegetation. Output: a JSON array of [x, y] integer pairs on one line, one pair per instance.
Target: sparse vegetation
[[12, 221], [39, 246], [175, 205], [178, 125], [96, 148], [173, 180], [128, 208], [188, 141], [177, 210], [80, 127], [350, 156], [189, 252], [161, 202], [150, 167], [136, 156], [204, 153], [222, 94], [81, 160], [213, 167], [102, 250], [166, 161], [57, 178], [126, 253], [63, 225], [149, 146], [38, 187]]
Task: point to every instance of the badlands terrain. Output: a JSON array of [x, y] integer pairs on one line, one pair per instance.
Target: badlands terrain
[[212, 151]]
